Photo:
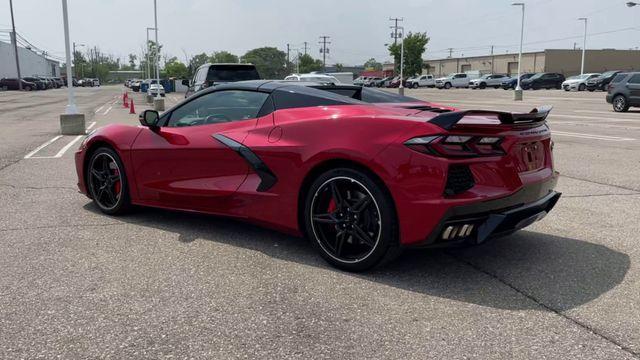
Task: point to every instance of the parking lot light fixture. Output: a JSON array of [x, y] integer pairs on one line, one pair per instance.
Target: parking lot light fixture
[[584, 44], [518, 92]]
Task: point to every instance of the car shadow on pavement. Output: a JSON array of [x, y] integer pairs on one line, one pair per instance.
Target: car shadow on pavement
[[546, 271]]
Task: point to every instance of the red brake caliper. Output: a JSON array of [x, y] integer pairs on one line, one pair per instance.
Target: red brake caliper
[[332, 206]]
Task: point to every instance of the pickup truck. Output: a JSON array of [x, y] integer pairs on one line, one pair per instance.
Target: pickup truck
[[490, 80], [421, 81], [457, 80]]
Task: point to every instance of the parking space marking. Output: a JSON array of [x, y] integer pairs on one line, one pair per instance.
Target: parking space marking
[[609, 119], [69, 145], [91, 125], [98, 109], [107, 111], [591, 136], [30, 155]]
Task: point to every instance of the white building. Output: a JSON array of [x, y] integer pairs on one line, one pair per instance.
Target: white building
[[31, 63]]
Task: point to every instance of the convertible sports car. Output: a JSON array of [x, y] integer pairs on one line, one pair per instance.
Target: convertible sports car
[[361, 172]]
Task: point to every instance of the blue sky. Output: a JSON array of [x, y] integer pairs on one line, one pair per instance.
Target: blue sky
[[358, 28]]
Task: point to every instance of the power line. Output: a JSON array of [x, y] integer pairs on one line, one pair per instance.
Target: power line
[[394, 35]]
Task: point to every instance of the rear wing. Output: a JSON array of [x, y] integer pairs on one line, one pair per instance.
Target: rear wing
[[449, 119]]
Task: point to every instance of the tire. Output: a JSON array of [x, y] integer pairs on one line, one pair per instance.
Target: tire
[[415, 85], [535, 87], [107, 182], [582, 87], [567, 89], [356, 229], [483, 85], [447, 85], [620, 103], [591, 90], [27, 88]]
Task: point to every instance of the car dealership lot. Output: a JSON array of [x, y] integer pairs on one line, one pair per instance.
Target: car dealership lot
[[75, 283]]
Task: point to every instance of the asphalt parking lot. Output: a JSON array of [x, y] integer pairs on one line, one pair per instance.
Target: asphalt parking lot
[[78, 284]]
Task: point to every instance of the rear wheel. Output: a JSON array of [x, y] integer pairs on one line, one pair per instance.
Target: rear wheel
[[350, 220], [620, 103], [107, 182]]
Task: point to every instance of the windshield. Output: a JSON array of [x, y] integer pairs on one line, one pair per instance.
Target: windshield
[[608, 74], [537, 76], [485, 76], [232, 73]]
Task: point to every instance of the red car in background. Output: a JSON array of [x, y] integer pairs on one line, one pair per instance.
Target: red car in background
[[361, 172]]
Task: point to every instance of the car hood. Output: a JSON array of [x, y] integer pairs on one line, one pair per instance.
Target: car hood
[[573, 81]]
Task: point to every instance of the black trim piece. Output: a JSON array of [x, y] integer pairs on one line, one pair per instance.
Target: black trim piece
[[450, 119], [267, 177]]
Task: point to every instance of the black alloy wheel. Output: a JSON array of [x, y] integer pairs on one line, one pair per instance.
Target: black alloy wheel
[[582, 87], [350, 220], [107, 182]]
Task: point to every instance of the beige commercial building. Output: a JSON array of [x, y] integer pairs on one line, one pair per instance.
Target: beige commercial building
[[566, 62]]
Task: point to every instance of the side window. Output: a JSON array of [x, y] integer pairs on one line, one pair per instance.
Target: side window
[[618, 78], [635, 79], [218, 107]]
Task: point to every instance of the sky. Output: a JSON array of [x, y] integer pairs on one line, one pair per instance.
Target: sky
[[359, 29]]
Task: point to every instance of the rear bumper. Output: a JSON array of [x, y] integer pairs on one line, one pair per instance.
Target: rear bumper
[[494, 218]]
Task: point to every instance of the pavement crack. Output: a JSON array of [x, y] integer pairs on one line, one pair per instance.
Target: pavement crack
[[539, 302], [597, 195], [601, 183], [60, 226], [38, 187]]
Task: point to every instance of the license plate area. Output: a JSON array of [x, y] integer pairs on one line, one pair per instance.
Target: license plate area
[[530, 156]]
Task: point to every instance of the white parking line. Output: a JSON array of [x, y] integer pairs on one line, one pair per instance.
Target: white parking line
[[107, 111], [29, 155], [91, 125], [591, 136], [98, 109], [66, 147]]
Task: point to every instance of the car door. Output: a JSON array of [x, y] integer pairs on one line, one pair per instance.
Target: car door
[[181, 165], [634, 89]]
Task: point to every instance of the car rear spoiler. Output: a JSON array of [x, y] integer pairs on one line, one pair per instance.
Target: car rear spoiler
[[449, 119]]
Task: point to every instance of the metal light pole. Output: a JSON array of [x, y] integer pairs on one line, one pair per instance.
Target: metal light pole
[[14, 40], [155, 16], [401, 86], [71, 123], [584, 44], [148, 68], [517, 95], [74, 60]]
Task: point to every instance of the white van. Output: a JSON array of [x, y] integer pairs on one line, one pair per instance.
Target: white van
[[313, 78]]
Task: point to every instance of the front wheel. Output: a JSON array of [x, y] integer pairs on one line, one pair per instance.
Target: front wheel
[[620, 104], [447, 86], [351, 220], [107, 182], [415, 85], [582, 87]]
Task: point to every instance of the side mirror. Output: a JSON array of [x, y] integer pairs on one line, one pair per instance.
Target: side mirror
[[185, 82], [149, 118]]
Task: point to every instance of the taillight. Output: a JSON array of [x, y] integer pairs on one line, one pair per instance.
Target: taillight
[[457, 145]]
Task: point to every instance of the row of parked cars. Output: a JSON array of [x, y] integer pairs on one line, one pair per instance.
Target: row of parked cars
[[151, 86], [32, 83]]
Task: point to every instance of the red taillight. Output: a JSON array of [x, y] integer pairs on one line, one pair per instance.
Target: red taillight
[[457, 145]]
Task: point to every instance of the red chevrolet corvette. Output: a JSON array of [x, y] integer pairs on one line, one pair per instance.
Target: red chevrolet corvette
[[360, 172]]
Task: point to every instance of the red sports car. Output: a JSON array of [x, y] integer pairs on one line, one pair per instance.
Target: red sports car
[[361, 172]]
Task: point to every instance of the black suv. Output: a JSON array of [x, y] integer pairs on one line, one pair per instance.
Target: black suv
[[211, 74], [624, 91], [12, 84], [601, 82], [40, 84], [543, 81]]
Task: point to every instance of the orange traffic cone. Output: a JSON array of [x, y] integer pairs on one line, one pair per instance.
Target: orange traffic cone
[[126, 95], [125, 102], [132, 110]]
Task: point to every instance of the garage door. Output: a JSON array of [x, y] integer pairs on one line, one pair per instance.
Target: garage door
[[512, 68], [465, 68]]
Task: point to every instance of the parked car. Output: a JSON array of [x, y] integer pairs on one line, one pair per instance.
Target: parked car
[[601, 82], [313, 77], [578, 82], [209, 75], [423, 181], [543, 81], [40, 84], [95, 82], [488, 80], [457, 80], [384, 82], [623, 91], [421, 81], [12, 84], [360, 80], [59, 81], [395, 82], [154, 89], [372, 81], [512, 82]]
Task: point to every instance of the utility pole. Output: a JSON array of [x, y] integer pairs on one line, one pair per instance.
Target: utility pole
[[395, 29], [324, 51], [492, 59], [147, 54], [450, 52], [14, 40], [305, 47], [584, 44], [395, 34]]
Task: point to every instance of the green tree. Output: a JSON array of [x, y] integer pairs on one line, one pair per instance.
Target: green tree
[[339, 67], [176, 69], [308, 64], [132, 61], [414, 46], [270, 62], [223, 57], [372, 64]]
